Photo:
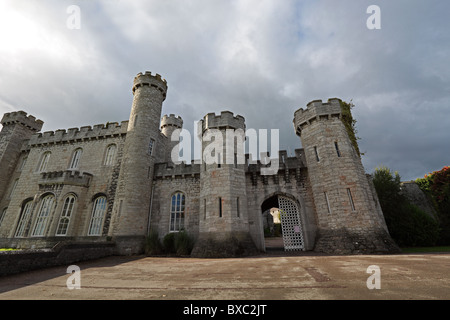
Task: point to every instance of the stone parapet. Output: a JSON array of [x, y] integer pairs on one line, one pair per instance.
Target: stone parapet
[[171, 120], [163, 170], [316, 110], [147, 79], [226, 120], [67, 177], [99, 131], [21, 117]]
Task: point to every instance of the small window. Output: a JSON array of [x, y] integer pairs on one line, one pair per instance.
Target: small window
[[110, 153], [177, 212], [2, 215], [24, 215], [43, 215], [65, 216], [13, 188], [43, 164], [151, 146], [337, 149], [204, 209], [237, 207], [98, 212], [219, 160], [317, 154], [24, 161], [328, 203], [350, 198], [220, 207], [74, 163]]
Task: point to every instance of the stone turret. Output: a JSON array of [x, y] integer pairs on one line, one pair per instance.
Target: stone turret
[[17, 127], [223, 218], [170, 123], [348, 214], [132, 201]]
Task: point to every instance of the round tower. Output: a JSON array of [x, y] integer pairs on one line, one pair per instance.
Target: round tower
[[349, 217], [170, 123], [133, 196], [223, 218], [16, 128]]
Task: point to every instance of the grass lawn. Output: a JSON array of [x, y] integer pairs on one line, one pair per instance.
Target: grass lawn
[[426, 249]]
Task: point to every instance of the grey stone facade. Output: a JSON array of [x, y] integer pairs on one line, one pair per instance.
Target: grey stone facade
[[114, 183]]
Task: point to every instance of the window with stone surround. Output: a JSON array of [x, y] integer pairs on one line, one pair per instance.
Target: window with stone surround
[[317, 154], [151, 146], [327, 201], [24, 216], [350, 199], [177, 212], [2, 215], [75, 161], [43, 216], [65, 215], [336, 146], [43, 164], [13, 188], [110, 154], [98, 213]]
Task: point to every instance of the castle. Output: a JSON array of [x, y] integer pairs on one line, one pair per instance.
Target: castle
[[116, 182]]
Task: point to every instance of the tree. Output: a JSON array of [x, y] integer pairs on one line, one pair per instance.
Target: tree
[[407, 224], [436, 186]]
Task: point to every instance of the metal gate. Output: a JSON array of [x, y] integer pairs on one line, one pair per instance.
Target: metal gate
[[290, 224]]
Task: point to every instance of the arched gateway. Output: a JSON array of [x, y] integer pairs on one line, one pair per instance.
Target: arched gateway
[[291, 224]]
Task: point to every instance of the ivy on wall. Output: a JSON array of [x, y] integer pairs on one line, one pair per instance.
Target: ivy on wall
[[350, 124]]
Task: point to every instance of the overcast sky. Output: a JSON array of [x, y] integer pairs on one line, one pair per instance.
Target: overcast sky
[[262, 59]]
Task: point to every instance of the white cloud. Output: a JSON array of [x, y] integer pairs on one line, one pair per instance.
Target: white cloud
[[261, 59]]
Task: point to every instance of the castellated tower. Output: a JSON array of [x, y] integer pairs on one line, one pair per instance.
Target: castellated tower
[[170, 123], [223, 216], [17, 127], [349, 217], [133, 197]]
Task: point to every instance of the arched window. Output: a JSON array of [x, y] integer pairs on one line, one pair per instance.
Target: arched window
[[43, 216], [44, 161], [177, 212], [75, 159], [98, 212], [110, 153], [24, 215], [65, 216]]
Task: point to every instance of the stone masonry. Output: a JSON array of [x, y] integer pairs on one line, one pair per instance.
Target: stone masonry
[[113, 183]]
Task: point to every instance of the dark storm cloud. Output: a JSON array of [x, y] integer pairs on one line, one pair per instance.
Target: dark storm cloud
[[260, 59]]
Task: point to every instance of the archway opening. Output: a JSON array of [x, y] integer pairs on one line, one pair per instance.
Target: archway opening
[[282, 224]]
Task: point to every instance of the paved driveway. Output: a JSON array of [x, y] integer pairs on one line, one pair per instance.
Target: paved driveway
[[268, 277]]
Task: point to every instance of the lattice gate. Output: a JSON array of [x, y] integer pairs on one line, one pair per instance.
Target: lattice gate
[[290, 224]]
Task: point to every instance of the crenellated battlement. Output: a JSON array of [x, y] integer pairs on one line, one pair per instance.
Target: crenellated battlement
[[99, 131], [316, 110], [171, 120], [147, 79], [226, 120], [22, 118]]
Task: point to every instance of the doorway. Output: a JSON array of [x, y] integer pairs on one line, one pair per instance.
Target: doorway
[[282, 224]]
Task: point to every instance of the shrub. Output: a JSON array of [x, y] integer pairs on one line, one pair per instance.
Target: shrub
[[183, 244], [179, 243], [169, 243], [152, 244]]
